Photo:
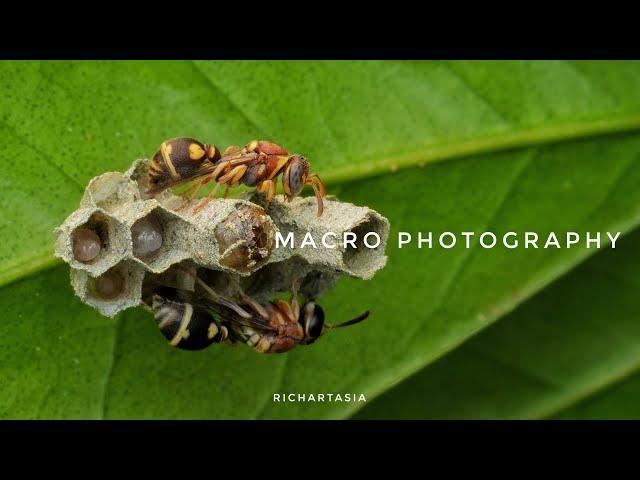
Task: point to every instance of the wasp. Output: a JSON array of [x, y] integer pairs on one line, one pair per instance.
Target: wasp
[[194, 321], [257, 164]]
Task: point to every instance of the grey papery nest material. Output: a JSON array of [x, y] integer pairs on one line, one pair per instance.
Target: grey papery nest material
[[147, 239]]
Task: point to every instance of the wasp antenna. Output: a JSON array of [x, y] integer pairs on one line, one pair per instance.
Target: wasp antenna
[[358, 319], [316, 178], [318, 188]]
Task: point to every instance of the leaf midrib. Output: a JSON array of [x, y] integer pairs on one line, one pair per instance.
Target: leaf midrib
[[529, 137]]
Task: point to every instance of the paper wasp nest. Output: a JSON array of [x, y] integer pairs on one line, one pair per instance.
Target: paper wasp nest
[[118, 240]]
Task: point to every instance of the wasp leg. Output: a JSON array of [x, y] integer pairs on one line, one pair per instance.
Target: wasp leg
[[268, 186], [295, 306], [221, 299], [254, 305], [193, 189], [231, 177], [210, 197], [220, 167], [196, 189], [314, 178], [247, 300], [285, 308], [206, 201], [319, 189], [191, 193]]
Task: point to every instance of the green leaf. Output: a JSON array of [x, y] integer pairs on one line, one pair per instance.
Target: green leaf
[[577, 337], [618, 402], [521, 126], [55, 353]]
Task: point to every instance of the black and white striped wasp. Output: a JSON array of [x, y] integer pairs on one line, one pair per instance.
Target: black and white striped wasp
[[195, 320]]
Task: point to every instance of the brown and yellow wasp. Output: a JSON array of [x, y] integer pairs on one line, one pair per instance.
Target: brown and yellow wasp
[[256, 164], [194, 321]]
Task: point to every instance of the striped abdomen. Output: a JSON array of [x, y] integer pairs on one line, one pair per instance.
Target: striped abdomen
[[180, 160], [186, 326]]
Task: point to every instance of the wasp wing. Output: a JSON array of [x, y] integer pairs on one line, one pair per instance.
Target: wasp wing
[[203, 171], [228, 315], [227, 310]]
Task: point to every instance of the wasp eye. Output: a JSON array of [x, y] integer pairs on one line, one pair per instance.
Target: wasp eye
[[312, 320], [296, 175]]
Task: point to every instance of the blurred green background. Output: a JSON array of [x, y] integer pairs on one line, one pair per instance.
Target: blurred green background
[[434, 146]]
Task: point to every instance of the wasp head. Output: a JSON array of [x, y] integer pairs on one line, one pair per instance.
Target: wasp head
[[295, 176], [312, 322]]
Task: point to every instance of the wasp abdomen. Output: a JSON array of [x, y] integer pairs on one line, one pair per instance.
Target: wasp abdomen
[[187, 326], [179, 160]]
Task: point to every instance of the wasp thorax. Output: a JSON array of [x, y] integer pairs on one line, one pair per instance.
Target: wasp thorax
[[86, 244], [109, 285], [245, 238], [146, 235]]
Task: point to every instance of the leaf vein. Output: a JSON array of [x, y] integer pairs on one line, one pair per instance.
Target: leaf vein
[[214, 86]]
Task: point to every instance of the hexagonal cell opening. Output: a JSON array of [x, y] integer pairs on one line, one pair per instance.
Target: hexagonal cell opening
[[91, 240], [113, 291], [180, 275], [245, 239], [109, 191], [278, 277], [147, 236], [362, 258], [155, 239], [112, 285]]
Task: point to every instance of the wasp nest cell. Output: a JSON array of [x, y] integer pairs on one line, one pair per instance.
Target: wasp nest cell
[[119, 241]]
